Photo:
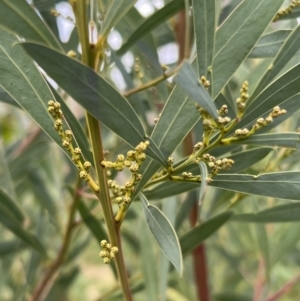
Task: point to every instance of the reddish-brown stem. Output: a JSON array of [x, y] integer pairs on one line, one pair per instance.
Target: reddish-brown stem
[[285, 289], [200, 266]]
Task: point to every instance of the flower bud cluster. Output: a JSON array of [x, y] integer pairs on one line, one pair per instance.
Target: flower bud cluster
[[216, 164], [132, 161], [205, 82], [108, 252], [261, 122], [241, 101], [54, 108], [137, 69], [286, 11]]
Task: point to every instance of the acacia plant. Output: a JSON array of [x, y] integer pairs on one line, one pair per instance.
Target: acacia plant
[[177, 150]]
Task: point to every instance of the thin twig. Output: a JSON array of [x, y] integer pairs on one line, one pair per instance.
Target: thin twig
[[285, 289], [151, 83], [40, 292]]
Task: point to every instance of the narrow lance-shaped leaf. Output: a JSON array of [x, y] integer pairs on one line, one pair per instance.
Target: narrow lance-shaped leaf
[[187, 80], [197, 235], [290, 140], [91, 222], [94, 93], [8, 220], [14, 209], [152, 22], [163, 233], [269, 44], [282, 185], [20, 78], [249, 19], [19, 17], [285, 54], [204, 175], [277, 214], [204, 26], [115, 13], [276, 93]]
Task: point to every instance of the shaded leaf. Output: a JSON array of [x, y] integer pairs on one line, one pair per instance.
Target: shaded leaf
[[269, 44], [42, 194], [10, 247], [252, 156], [290, 140], [163, 233], [187, 80], [286, 52], [19, 17], [204, 27], [8, 220], [94, 93], [276, 93], [249, 19], [152, 22], [226, 296], [91, 222], [13, 208], [277, 214], [282, 185], [20, 78], [185, 208], [116, 11], [287, 242], [197, 235]]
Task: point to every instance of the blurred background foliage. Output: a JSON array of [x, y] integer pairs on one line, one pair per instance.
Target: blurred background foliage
[[35, 173]]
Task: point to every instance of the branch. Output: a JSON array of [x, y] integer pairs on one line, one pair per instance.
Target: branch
[[285, 289]]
